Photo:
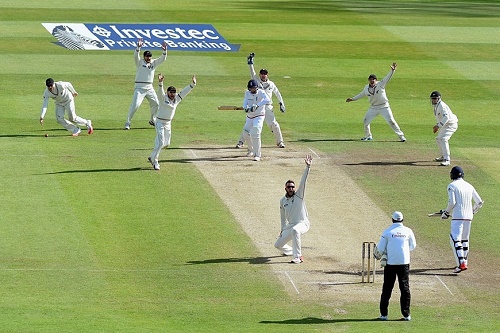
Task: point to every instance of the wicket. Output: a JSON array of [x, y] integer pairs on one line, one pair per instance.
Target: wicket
[[370, 268]]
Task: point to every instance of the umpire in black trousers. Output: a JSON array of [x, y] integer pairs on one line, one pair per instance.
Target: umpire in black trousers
[[395, 244]]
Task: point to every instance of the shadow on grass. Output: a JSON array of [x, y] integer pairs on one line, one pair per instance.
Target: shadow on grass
[[250, 260], [314, 320], [95, 170], [324, 140], [386, 163], [417, 271]]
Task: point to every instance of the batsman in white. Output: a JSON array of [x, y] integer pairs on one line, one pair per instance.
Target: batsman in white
[[397, 242], [461, 194], [447, 124], [253, 104], [64, 95], [294, 217], [144, 77], [162, 119], [270, 88], [379, 104]]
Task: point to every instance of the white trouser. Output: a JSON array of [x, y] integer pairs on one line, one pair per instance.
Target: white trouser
[[459, 239], [253, 129], [163, 135], [292, 233], [139, 94], [443, 137], [73, 118], [270, 120], [385, 112]]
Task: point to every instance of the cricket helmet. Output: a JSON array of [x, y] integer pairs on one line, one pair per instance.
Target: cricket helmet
[[252, 84], [49, 82], [171, 89], [397, 217], [148, 54], [263, 71], [456, 173], [435, 94], [372, 76]]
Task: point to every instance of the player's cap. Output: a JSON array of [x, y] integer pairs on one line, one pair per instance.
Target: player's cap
[[435, 94], [372, 76], [456, 172], [397, 217], [252, 84], [49, 82], [263, 71], [171, 89], [148, 54]]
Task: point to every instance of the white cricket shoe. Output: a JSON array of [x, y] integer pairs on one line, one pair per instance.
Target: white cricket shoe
[[439, 159], [249, 154], [256, 158], [281, 144], [77, 133], [445, 163], [297, 260], [382, 318], [239, 145], [406, 318], [127, 125], [402, 138], [367, 138], [90, 129]]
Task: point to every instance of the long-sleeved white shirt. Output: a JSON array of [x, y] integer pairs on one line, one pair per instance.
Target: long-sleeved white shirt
[[259, 98], [166, 110], [443, 114], [62, 94], [397, 241], [145, 72], [376, 94], [460, 197], [268, 86], [293, 209]]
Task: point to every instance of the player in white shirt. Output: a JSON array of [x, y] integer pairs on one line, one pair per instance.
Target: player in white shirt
[[294, 217], [63, 95], [253, 104], [144, 77], [379, 104], [447, 124], [270, 88], [461, 195], [163, 117], [396, 242]]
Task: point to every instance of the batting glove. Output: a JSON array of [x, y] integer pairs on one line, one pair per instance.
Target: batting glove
[[282, 107], [445, 215], [250, 58]]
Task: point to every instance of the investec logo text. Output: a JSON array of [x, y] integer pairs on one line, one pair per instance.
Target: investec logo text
[[185, 37]]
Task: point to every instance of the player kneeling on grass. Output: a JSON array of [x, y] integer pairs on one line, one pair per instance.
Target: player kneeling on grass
[[164, 116], [64, 95], [294, 217]]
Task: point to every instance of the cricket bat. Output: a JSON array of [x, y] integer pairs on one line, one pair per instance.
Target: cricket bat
[[435, 214], [229, 107]]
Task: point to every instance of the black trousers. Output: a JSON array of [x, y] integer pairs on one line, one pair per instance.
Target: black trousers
[[403, 274]]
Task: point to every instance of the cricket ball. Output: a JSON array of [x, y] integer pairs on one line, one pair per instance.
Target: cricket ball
[[46, 135]]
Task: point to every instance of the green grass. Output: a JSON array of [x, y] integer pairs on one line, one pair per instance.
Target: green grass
[[93, 240]]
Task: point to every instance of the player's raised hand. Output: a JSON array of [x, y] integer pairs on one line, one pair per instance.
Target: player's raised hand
[[140, 43], [194, 79], [308, 159], [393, 66], [164, 45], [161, 78]]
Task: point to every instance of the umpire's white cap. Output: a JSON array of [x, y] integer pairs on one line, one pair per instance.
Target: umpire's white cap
[[397, 216]]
